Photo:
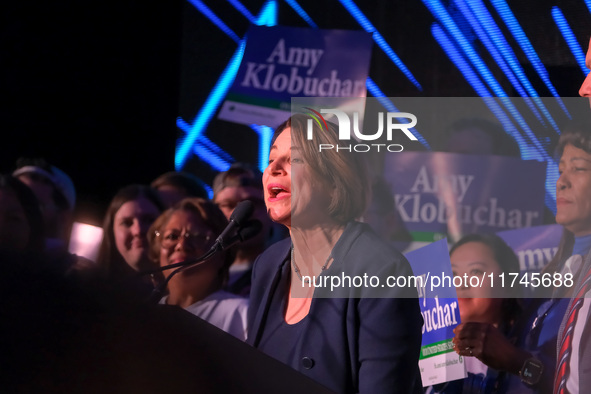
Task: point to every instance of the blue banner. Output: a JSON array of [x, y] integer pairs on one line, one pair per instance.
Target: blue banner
[[438, 361], [534, 246], [445, 194], [284, 62]]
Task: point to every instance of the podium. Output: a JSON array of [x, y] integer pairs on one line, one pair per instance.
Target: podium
[[156, 349], [63, 336]]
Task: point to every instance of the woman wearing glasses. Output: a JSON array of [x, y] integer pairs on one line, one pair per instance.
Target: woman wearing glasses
[[187, 231]]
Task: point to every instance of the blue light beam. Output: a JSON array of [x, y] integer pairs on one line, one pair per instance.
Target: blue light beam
[[390, 107], [300, 11], [497, 56], [215, 19], [265, 134], [211, 158], [454, 55], [498, 39], [267, 16], [243, 10], [511, 22], [570, 38], [208, 109], [439, 11], [368, 27]]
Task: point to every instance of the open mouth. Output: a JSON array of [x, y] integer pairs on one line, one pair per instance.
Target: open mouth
[[277, 192]]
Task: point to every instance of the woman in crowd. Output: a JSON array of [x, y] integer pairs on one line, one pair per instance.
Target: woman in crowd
[[476, 255], [534, 362], [188, 231], [353, 341], [124, 250]]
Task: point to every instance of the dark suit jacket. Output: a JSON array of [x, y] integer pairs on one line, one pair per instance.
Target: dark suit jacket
[[349, 344]]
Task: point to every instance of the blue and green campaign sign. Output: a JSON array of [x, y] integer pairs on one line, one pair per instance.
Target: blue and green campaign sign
[[534, 246], [438, 361], [446, 194], [284, 62]]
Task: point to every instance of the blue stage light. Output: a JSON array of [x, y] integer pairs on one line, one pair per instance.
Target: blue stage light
[[390, 107], [210, 158], [491, 28], [367, 26], [209, 190], [481, 33], [222, 154], [472, 78], [511, 22], [300, 11], [268, 14], [215, 19], [508, 103], [372, 87], [439, 11], [268, 17], [265, 134], [443, 16], [500, 60], [210, 147], [243, 10], [570, 38], [207, 111]]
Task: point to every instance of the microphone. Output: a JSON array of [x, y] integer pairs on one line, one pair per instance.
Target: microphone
[[248, 230], [238, 219]]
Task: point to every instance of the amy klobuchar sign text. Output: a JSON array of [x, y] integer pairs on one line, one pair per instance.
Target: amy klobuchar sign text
[[457, 194], [284, 62]]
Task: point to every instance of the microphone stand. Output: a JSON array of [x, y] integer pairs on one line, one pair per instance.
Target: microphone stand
[[159, 290], [244, 230]]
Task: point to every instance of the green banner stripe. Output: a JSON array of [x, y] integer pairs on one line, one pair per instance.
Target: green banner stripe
[[259, 101], [435, 349], [426, 236]]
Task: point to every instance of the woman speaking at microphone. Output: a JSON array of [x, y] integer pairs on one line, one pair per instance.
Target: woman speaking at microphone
[[357, 340], [187, 231]]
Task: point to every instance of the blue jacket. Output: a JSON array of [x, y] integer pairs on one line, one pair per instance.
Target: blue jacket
[[349, 344]]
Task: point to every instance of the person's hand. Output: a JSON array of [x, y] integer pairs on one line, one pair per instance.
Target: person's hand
[[485, 342]]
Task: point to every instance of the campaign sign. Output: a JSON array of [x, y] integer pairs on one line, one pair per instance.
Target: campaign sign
[[446, 194], [283, 62], [534, 246], [438, 361]]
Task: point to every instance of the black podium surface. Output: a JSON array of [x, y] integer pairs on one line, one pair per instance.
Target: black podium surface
[[160, 349], [57, 338]]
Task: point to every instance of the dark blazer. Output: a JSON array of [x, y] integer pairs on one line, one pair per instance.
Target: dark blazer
[[349, 344]]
